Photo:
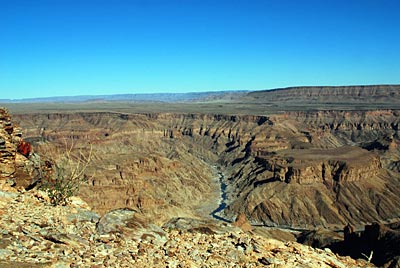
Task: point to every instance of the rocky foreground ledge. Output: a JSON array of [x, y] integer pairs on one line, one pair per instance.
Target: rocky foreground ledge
[[36, 234]]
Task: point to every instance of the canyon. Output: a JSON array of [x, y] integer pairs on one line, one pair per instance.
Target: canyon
[[329, 158], [308, 159]]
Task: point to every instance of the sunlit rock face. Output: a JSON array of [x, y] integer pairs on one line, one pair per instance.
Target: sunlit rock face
[[299, 169], [319, 169], [15, 164], [8, 146]]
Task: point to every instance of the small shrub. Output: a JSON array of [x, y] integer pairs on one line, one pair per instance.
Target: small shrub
[[62, 179]]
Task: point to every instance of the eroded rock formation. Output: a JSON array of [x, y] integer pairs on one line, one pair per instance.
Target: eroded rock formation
[[297, 169], [310, 169]]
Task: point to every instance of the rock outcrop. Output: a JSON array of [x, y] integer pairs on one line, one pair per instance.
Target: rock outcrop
[[9, 140], [328, 166], [16, 166]]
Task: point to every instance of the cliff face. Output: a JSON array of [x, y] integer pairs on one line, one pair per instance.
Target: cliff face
[[298, 169], [138, 161], [312, 169], [328, 166], [305, 169]]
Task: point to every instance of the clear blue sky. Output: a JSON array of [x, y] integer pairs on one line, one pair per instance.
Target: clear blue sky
[[77, 47]]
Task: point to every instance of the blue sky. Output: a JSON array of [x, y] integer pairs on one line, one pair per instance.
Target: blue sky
[[79, 47]]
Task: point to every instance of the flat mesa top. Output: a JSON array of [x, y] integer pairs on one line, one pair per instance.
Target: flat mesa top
[[350, 154]]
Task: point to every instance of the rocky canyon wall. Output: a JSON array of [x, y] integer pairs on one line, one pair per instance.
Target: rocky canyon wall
[[296, 169], [317, 169]]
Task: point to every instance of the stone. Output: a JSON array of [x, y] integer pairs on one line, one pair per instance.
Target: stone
[[114, 220], [76, 201], [83, 215], [8, 195], [4, 253], [243, 223]]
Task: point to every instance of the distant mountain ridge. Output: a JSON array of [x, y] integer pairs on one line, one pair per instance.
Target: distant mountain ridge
[[375, 95], [145, 97]]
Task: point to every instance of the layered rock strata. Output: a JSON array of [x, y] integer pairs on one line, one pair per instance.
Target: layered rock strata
[[294, 169], [330, 94]]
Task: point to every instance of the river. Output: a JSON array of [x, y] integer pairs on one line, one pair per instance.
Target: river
[[222, 200]]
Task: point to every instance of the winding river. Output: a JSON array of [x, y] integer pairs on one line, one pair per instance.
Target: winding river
[[222, 200]]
